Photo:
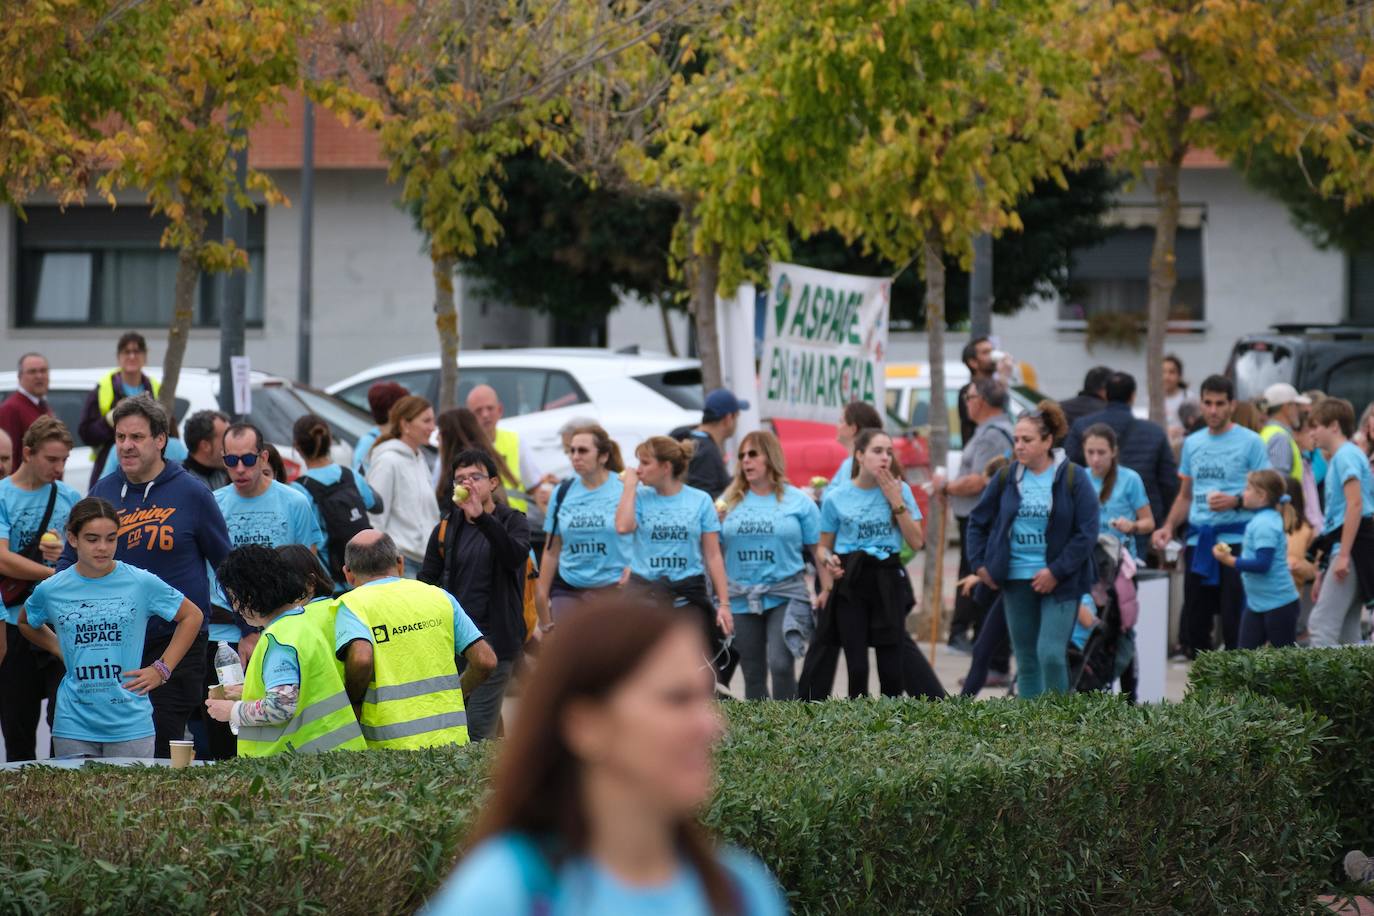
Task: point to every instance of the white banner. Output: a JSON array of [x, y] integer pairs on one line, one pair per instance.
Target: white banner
[[825, 343], [241, 370]]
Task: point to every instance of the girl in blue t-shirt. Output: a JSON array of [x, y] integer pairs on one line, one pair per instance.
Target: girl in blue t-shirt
[[1271, 598], [863, 527], [1120, 491], [767, 527], [676, 536], [595, 798], [583, 554], [93, 616]]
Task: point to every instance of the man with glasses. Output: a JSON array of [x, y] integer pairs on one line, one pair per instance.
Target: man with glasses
[[477, 554], [127, 381], [169, 525], [26, 404]]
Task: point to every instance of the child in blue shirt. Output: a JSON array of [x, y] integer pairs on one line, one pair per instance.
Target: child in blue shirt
[[93, 615], [1271, 599]]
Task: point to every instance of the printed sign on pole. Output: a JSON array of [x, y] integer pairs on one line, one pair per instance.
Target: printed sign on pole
[[240, 369], [826, 343]]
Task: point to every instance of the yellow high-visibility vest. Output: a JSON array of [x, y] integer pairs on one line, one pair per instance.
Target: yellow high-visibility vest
[[1273, 429], [507, 445]]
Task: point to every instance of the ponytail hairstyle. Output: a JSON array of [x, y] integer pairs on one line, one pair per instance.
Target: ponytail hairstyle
[[1050, 418], [664, 448], [861, 442], [604, 444], [88, 510], [311, 437], [1271, 484], [1297, 503], [1107, 434], [771, 449]]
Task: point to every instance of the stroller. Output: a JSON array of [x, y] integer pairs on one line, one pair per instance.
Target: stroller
[[1111, 645]]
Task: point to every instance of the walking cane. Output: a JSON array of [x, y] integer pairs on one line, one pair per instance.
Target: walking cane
[[938, 591]]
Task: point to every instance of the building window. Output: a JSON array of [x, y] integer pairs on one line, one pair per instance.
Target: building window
[[1359, 287], [1113, 277], [92, 266]]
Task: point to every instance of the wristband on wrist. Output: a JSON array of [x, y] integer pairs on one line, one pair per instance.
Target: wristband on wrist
[[163, 670]]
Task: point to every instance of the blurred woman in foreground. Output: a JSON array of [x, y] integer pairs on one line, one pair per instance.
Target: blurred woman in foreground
[[597, 789]]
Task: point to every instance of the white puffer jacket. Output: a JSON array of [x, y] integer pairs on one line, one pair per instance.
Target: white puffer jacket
[[400, 476]]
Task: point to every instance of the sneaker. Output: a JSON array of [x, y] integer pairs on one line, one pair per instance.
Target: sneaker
[[997, 679], [1359, 867], [961, 644]]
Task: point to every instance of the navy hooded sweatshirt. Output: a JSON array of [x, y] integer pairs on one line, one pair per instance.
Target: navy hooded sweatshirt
[[169, 526]]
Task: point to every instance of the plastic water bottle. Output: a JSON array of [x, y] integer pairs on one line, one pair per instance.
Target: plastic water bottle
[[228, 666]]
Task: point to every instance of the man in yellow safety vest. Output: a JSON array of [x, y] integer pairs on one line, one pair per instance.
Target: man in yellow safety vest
[[483, 401], [1284, 406], [398, 640]]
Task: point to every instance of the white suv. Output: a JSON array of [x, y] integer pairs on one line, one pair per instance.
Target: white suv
[[277, 404], [634, 396]]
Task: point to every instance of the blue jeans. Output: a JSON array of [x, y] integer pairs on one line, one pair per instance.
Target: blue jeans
[[1040, 626]]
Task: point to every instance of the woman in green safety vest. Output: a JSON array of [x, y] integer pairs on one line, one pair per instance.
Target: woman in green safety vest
[[293, 696]]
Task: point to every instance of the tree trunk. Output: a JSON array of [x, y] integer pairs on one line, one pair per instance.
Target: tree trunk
[[446, 322], [183, 314], [1163, 277], [666, 314], [705, 274], [939, 417]]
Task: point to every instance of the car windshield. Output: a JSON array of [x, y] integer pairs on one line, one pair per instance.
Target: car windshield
[[1259, 365], [277, 407], [681, 386]]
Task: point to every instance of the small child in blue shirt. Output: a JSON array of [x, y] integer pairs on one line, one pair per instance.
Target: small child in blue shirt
[[1271, 598]]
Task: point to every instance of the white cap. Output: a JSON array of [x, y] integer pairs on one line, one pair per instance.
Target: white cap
[[1280, 393]]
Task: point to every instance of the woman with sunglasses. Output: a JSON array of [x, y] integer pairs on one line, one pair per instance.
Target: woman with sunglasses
[[583, 554], [863, 526], [767, 526], [399, 474], [1031, 538], [676, 536]]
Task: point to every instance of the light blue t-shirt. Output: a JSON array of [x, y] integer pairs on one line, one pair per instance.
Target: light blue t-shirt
[[1029, 526], [1080, 632], [100, 624], [1128, 497], [347, 626], [593, 555], [494, 881], [364, 446], [842, 474], [329, 475], [861, 519], [1273, 589], [1220, 463], [668, 530], [22, 510], [763, 537], [1347, 463], [175, 451]]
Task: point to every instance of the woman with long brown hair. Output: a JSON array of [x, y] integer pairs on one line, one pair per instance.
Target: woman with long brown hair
[[766, 526], [459, 431], [584, 553], [596, 793], [399, 474], [323, 480]]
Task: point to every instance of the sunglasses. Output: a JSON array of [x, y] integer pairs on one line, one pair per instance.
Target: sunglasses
[[232, 461], [580, 450], [751, 453]]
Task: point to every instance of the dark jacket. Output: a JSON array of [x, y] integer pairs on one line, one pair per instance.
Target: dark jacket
[[1070, 534], [93, 429], [500, 612], [1080, 405], [170, 526], [706, 471], [1144, 448]]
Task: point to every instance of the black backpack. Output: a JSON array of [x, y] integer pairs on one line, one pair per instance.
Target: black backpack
[[344, 513]]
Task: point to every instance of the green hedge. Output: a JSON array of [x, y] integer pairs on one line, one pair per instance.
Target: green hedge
[[1337, 684], [1082, 804]]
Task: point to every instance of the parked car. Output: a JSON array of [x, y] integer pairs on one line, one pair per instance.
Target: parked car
[[633, 395], [908, 400], [277, 404], [1336, 359]]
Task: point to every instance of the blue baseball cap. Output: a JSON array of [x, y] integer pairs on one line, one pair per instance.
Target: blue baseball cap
[[720, 404]]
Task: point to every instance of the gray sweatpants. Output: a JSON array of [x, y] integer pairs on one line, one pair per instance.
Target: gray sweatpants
[[1335, 618], [483, 705], [71, 747]]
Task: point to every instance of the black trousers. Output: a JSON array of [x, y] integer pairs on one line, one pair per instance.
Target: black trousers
[[1202, 603], [28, 676], [822, 660], [219, 737], [967, 614], [175, 700]]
